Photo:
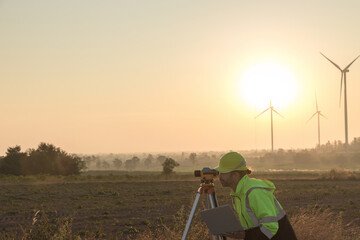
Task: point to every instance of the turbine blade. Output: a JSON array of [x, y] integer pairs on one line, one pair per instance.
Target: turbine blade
[[331, 62], [316, 102], [262, 112], [341, 83], [351, 63], [311, 117], [278, 113], [322, 115]]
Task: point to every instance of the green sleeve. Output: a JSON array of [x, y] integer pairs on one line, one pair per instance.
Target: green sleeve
[[262, 204]]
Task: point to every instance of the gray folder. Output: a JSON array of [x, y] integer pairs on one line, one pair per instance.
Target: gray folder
[[221, 220]]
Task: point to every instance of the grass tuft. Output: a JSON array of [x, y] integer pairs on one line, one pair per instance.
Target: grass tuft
[[318, 223]]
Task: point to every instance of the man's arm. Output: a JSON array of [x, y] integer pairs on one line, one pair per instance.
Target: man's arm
[[262, 204]]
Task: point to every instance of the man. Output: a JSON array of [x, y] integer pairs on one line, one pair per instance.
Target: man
[[260, 213]]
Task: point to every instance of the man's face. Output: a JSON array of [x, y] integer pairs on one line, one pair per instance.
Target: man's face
[[225, 179]]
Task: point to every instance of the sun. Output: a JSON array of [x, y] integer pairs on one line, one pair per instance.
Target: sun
[[265, 82]]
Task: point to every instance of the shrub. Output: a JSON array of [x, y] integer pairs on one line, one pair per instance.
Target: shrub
[[43, 228]]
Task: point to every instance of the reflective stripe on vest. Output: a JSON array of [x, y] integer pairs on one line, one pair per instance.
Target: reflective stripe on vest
[[268, 219], [266, 231]]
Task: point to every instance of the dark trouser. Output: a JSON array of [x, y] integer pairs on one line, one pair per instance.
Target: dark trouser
[[285, 232]]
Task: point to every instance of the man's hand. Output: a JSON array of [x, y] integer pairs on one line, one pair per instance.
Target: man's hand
[[235, 235]]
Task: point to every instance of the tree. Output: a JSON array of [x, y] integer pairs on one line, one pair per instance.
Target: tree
[[168, 165], [117, 163], [129, 165], [192, 158], [148, 161], [89, 160], [161, 159], [105, 164], [203, 156], [98, 164], [132, 163], [48, 159], [136, 161], [12, 162]]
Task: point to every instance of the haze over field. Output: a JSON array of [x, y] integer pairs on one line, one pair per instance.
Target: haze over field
[[154, 76]]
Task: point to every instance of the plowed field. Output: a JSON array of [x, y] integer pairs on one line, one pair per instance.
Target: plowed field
[[113, 207]]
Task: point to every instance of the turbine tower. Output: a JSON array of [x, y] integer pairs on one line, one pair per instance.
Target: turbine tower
[[272, 131], [318, 117], [343, 76]]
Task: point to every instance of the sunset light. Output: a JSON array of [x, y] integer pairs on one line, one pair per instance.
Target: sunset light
[[163, 76], [117, 116], [267, 81]]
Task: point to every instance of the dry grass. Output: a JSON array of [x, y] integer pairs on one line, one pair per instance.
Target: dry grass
[[308, 224], [313, 224], [198, 229], [322, 224]]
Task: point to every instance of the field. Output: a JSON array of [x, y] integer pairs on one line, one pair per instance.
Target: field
[[120, 206]]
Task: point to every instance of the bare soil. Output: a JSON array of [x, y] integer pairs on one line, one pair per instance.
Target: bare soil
[[116, 208]]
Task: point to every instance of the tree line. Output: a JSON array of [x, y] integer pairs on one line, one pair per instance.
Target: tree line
[[329, 155], [129, 163], [46, 159], [339, 146]]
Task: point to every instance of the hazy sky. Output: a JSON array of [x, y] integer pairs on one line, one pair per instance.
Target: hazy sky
[[140, 76]]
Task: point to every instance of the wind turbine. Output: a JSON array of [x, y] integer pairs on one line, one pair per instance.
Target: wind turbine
[[343, 76], [318, 117], [272, 132]]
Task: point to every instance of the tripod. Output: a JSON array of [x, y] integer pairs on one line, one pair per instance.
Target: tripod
[[207, 187]]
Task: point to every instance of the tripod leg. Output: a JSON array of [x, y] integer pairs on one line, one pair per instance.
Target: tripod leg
[[196, 201], [215, 198], [212, 203]]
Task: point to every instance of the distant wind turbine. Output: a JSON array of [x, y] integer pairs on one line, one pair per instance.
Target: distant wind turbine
[[343, 76], [318, 116], [272, 132]]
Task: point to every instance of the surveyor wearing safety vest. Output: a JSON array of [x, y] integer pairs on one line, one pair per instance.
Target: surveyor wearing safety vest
[[260, 213]]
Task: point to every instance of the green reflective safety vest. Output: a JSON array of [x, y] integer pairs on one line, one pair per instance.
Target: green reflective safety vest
[[256, 205]]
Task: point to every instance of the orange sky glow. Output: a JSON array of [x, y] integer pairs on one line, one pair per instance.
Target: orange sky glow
[[161, 76]]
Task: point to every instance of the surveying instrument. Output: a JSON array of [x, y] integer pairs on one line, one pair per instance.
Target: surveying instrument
[[207, 187]]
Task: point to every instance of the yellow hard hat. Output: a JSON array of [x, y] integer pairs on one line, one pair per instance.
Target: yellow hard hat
[[230, 162]]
